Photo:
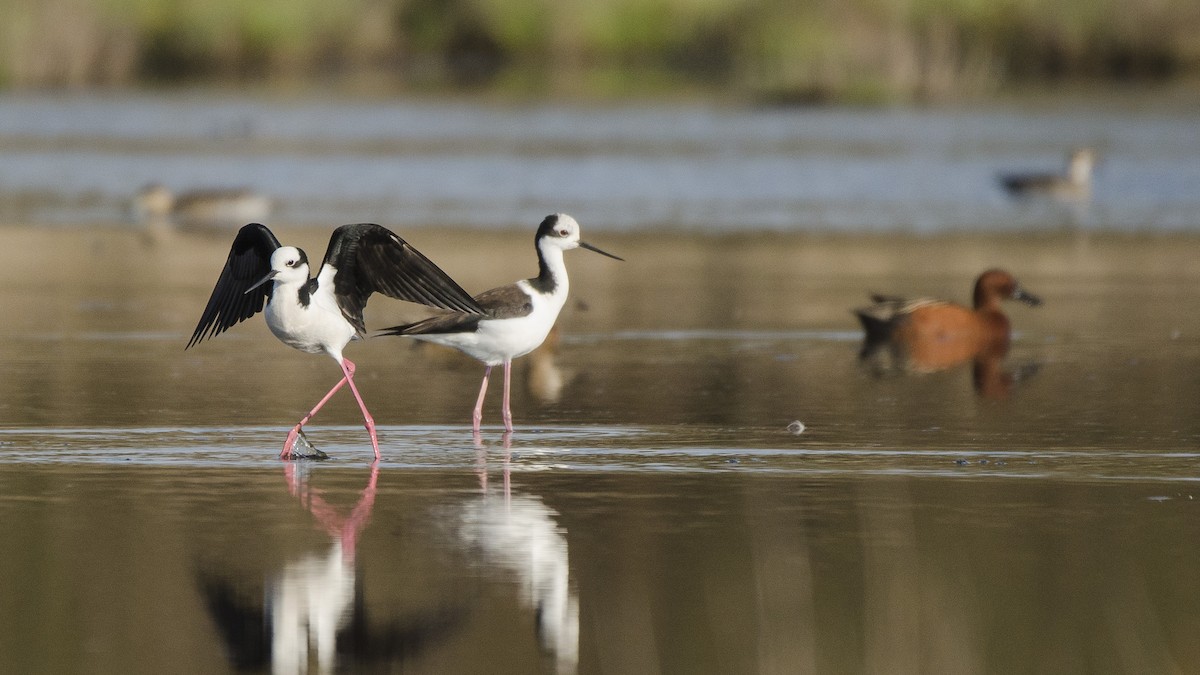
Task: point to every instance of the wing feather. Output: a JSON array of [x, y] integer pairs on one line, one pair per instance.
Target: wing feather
[[249, 260], [370, 259]]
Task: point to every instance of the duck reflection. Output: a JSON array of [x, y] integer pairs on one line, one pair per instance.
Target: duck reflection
[[313, 612], [518, 533], [923, 335]]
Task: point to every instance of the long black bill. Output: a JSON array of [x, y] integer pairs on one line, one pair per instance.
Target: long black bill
[[593, 248], [260, 282], [1025, 297]]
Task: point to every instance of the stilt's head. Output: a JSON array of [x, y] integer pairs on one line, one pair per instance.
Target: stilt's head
[[289, 265], [562, 232], [1079, 166]]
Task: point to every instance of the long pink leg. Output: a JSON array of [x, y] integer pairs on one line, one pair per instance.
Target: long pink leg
[[477, 416], [506, 410], [295, 432], [348, 369], [507, 441], [368, 421]]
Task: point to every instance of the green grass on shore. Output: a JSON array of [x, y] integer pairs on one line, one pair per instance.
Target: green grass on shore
[[786, 50]]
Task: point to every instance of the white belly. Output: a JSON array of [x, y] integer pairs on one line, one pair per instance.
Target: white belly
[[314, 329], [500, 340]]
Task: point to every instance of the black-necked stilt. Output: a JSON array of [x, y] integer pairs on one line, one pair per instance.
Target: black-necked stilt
[[323, 314], [517, 316], [1074, 183]]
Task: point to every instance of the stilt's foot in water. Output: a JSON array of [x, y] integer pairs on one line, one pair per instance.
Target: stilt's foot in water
[[370, 425], [289, 442], [368, 421], [506, 405], [506, 415], [297, 446], [477, 413]]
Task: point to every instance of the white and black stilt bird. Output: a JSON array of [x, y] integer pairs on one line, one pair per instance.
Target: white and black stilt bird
[[517, 317], [323, 314]]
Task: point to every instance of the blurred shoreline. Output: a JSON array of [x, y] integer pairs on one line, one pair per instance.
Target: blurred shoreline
[[772, 51]]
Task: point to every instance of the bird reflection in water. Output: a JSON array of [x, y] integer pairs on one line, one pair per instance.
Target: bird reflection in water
[[313, 612], [913, 336], [519, 534], [544, 376]]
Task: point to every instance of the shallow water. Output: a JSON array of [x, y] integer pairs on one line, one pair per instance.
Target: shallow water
[[71, 158], [652, 513]]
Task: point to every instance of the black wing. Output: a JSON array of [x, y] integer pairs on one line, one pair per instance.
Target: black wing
[[249, 260], [240, 622], [1016, 183], [370, 259]]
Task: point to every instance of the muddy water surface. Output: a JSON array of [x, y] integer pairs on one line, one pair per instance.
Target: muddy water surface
[[653, 513]]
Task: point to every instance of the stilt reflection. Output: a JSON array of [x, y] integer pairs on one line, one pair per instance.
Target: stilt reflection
[[519, 534], [313, 611]]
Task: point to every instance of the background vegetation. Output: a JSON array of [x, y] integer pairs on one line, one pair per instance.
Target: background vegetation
[[808, 50]]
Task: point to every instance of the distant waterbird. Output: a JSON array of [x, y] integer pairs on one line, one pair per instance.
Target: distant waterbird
[[516, 317], [215, 208], [322, 315], [1074, 183]]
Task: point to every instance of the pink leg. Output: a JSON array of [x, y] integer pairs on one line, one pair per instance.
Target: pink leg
[[477, 416], [368, 421], [507, 441], [506, 410], [348, 369], [295, 432], [481, 469]]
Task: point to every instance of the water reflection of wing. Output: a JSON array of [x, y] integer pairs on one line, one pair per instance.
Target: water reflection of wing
[[519, 533], [315, 604], [254, 639], [239, 621]]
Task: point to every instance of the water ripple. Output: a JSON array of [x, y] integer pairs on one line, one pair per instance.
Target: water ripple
[[589, 449]]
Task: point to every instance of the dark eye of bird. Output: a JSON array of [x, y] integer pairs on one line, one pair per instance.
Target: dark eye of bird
[[563, 233]]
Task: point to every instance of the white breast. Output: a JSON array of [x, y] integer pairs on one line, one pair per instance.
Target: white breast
[[319, 327], [498, 340]]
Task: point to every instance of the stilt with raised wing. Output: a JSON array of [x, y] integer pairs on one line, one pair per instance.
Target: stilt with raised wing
[[323, 314]]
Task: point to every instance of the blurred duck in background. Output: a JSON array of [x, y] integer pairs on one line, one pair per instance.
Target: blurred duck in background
[[1073, 184], [923, 335], [216, 208]]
